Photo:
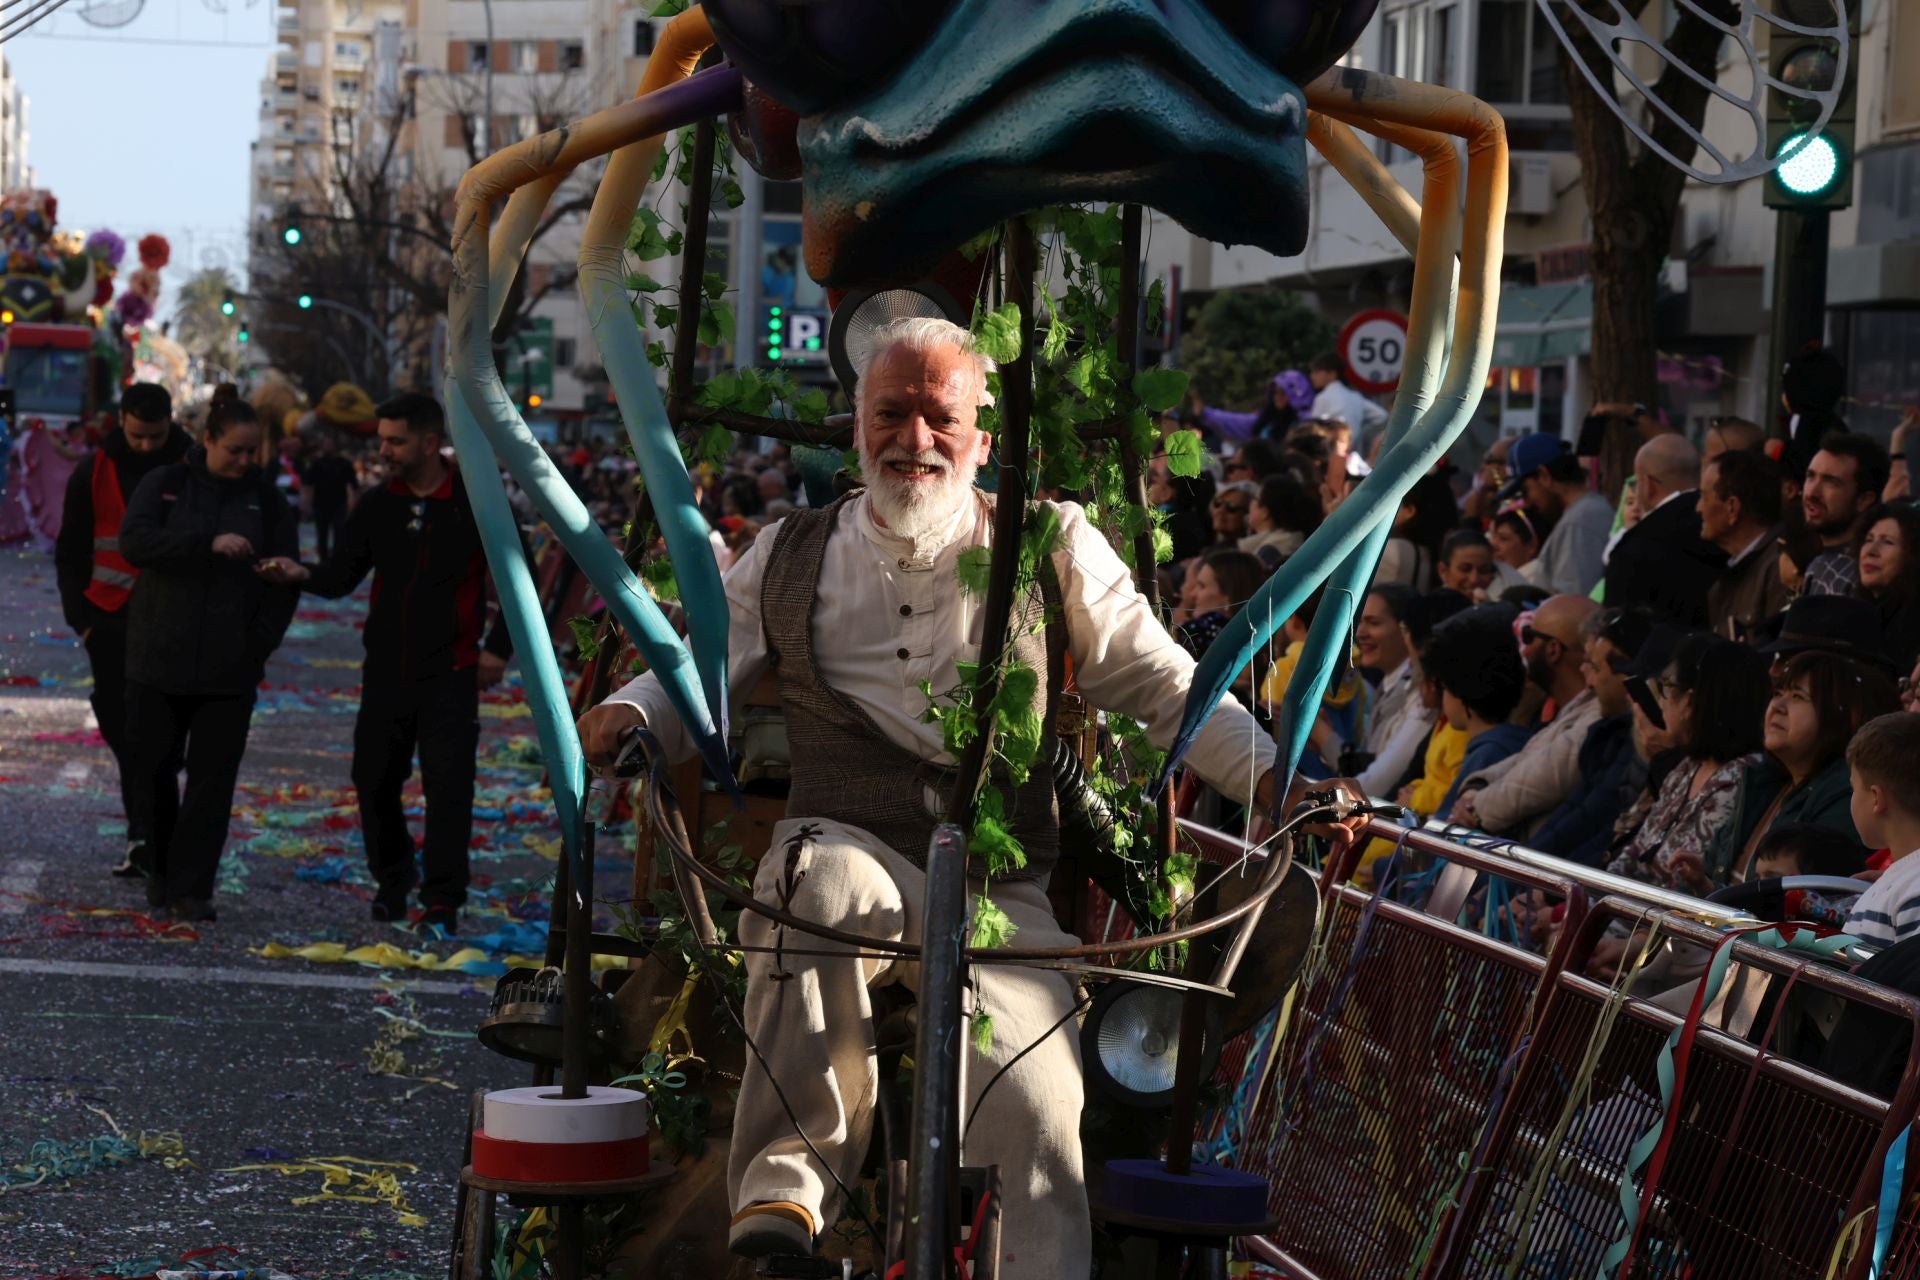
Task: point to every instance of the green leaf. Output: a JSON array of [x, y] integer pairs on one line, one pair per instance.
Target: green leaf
[[1159, 389], [645, 239], [850, 463], [731, 193], [665, 316], [998, 333], [640, 283], [713, 283], [658, 574], [1162, 545], [973, 568], [1186, 456], [810, 405], [991, 927], [667, 8], [1156, 305], [657, 354], [1055, 344], [1146, 436], [585, 644], [995, 845], [982, 1032]]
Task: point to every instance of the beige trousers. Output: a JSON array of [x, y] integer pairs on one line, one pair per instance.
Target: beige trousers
[[813, 1019]]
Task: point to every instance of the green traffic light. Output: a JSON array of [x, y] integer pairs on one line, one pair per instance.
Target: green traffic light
[[776, 324], [306, 301], [226, 308], [244, 335], [291, 235], [773, 354], [1812, 164], [773, 311]]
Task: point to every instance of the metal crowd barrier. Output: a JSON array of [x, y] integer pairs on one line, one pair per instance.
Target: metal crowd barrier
[[1440, 1103]]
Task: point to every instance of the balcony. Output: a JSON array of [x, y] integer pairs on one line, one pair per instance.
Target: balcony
[[286, 62]]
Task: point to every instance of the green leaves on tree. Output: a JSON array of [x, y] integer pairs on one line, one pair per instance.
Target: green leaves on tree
[[991, 927], [1158, 390], [1185, 455], [997, 334], [585, 643]]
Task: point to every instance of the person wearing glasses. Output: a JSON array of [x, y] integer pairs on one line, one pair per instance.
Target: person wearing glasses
[[1512, 796], [1231, 508], [426, 662]]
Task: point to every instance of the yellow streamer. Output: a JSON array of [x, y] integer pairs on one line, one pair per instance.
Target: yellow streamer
[[373, 1182], [384, 955]]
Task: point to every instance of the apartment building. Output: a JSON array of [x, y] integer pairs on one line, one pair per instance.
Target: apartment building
[[14, 169]]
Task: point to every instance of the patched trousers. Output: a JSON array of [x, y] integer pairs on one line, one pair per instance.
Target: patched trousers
[[812, 1018]]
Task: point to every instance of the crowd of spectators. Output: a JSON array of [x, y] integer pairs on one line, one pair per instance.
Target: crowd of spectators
[[1664, 680]]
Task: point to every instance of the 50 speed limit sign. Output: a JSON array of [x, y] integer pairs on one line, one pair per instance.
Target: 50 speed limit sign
[[1374, 346]]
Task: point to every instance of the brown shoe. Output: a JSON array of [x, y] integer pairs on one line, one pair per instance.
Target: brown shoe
[[772, 1227]]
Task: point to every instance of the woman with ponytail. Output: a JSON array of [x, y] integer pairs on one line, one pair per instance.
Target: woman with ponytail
[[201, 625]]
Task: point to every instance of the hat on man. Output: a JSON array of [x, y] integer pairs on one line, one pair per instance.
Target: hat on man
[[1299, 390], [1527, 455], [1845, 625], [1649, 660]]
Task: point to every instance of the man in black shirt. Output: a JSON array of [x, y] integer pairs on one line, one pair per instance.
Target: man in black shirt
[[329, 478], [96, 581], [425, 660]]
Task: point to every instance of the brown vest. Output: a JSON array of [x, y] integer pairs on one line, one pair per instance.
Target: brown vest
[[844, 767]]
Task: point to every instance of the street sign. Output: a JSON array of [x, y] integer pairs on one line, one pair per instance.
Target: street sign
[[796, 335], [1373, 345]]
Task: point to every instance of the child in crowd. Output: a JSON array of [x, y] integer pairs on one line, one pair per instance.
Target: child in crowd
[[1886, 812], [1343, 708], [1466, 564], [1475, 664]]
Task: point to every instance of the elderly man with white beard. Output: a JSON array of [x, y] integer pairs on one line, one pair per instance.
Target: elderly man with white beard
[[857, 609]]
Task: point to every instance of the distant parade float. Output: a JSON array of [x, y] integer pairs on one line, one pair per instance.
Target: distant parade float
[[68, 336]]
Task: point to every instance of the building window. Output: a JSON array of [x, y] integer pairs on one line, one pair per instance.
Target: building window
[[526, 56], [642, 37], [1440, 42], [573, 55], [563, 349], [524, 127], [1517, 71], [477, 55]]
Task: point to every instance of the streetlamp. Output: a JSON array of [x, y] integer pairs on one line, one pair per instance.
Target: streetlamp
[[527, 357]]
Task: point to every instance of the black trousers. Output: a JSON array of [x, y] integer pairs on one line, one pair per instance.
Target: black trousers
[[187, 830], [107, 652], [441, 716], [327, 527]]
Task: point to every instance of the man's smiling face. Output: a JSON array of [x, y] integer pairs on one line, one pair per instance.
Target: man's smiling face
[[920, 443]]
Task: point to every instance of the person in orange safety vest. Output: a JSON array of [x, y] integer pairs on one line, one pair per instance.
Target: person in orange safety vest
[[96, 580]]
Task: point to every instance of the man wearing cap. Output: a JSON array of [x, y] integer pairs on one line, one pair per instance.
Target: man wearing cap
[[1554, 482], [1338, 402], [1842, 485], [96, 581], [1845, 625], [1662, 561]]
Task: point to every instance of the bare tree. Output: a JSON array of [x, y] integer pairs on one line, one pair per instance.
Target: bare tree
[[1633, 194], [379, 249]]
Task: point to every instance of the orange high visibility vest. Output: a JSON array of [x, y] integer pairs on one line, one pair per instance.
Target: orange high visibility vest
[[113, 577]]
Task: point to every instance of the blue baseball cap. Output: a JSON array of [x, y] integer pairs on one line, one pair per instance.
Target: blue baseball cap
[[1527, 455]]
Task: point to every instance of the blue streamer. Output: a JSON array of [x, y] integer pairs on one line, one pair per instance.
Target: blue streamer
[[1893, 1176]]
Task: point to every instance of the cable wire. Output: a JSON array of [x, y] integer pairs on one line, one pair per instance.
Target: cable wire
[[980, 1101], [17, 25]]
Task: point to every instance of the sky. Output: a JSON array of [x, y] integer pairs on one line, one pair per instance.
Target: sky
[[146, 127]]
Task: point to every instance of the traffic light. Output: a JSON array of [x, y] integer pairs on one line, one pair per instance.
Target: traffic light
[[290, 228], [776, 332], [227, 306], [534, 401], [306, 302], [1815, 169], [243, 335]]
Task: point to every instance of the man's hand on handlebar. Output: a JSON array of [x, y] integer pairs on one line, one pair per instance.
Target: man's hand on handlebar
[[602, 730], [1345, 794]]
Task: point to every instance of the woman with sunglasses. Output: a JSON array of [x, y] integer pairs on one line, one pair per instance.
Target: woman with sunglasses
[[1230, 510], [1709, 701]]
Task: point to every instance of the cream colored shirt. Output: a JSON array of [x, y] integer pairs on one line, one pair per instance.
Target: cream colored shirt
[[891, 614]]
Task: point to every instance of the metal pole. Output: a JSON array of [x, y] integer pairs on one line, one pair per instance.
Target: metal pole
[[1799, 289], [746, 266], [933, 1181], [485, 140], [577, 992]]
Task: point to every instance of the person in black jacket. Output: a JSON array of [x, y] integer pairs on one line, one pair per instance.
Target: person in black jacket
[[96, 579], [1662, 563], [425, 661], [200, 627]]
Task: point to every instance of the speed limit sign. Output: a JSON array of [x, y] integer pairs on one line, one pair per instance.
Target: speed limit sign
[[1373, 346]]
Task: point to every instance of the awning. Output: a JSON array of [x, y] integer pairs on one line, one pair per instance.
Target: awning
[[1544, 322]]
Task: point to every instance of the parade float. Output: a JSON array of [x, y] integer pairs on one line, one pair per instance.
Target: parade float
[[70, 330], [1319, 1080]]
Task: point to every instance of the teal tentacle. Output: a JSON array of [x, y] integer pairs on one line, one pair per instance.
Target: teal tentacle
[[478, 381], [689, 544], [520, 607]]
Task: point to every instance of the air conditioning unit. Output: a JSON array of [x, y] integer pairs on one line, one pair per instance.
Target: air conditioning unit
[[1530, 185]]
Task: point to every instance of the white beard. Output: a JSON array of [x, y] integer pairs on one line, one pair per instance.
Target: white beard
[[915, 510]]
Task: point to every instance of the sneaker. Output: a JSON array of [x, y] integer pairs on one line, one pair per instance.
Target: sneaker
[[192, 910], [388, 909], [777, 1227], [137, 862], [446, 919]]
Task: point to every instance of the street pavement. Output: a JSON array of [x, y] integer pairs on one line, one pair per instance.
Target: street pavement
[[169, 1090]]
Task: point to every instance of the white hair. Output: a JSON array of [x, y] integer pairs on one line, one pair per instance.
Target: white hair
[[923, 335]]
